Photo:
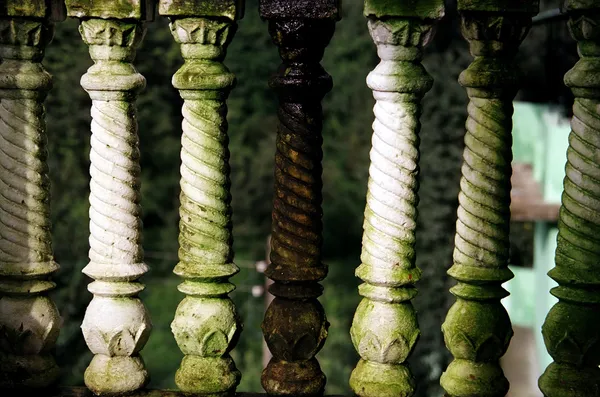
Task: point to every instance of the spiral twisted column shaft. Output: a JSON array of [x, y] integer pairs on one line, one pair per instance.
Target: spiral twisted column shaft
[[116, 325], [206, 324], [477, 330], [29, 320], [571, 331], [385, 328], [295, 326]]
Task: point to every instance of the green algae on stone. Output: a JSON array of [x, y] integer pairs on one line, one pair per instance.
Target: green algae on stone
[[423, 9], [477, 330], [122, 9], [385, 329], [501, 6], [572, 328], [29, 320], [38, 9], [206, 325], [231, 9]]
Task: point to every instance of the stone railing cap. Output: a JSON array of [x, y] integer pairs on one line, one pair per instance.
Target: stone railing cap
[[309, 9], [141, 10], [44, 9], [426, 9], [232, 9], [570, 5], [519, 6]]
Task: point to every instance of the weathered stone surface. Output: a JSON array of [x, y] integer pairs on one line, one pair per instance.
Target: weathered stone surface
[[572, 5], [295, 326], [385, 328], [500, 6], [310, 9], [206, 324], [29, 320], [83, 392], [572, 328], [424, 9], [116, 325], [232, 9], [142, 10], [43, 9], [477, 329]]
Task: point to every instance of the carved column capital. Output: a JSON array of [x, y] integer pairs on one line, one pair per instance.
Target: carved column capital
[[111, 33]]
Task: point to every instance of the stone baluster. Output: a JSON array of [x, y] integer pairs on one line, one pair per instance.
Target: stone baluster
[[116, 325], [29, 320], [477, 330], [571, 330], [385, 328], [206, 324], [295, 326]]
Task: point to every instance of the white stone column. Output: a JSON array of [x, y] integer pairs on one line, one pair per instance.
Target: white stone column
[[116, 324]]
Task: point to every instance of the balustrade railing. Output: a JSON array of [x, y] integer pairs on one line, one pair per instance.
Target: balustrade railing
[[206, 325]]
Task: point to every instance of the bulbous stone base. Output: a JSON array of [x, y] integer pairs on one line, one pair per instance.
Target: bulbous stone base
[[465, 378], [565, 380], [372, 379], [112, 376], [298, 378], [208, 376], [25, 372]]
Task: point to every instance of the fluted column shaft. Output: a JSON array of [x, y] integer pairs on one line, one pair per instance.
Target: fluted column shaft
[[29, 320], [206, 324], [116, 325], [477, 330], [295, 326], [385, 328], [571, 330]]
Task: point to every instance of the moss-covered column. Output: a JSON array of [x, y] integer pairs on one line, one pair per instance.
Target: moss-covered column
[[295, 326], [572, 329], [206, 324], [477, 329], [29, 320], [116, 324], [385, 328]]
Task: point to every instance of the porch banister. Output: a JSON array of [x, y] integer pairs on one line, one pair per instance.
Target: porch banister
[[206, 324], [295, 326], [116, 325], [29, 320], [572, 328], [477, 330], [385, 328]]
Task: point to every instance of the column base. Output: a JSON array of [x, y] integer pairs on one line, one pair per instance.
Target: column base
[[464, 378], [28, 371], [208, 376], [372, 379], [112, 376], [294, 378], [561, 379]]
